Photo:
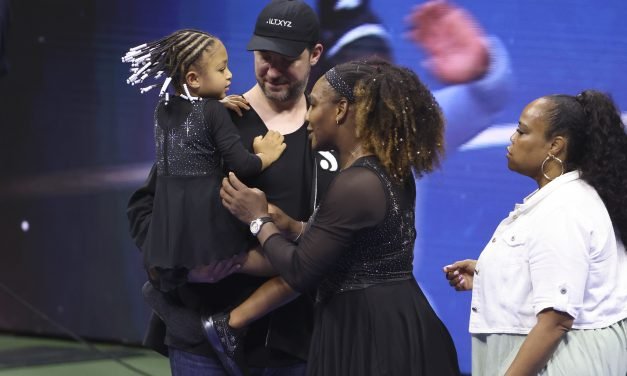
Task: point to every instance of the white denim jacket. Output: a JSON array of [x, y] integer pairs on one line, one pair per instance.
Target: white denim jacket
[[556, 250]]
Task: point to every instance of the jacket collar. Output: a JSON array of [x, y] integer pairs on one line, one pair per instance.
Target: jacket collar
[[537, 196]]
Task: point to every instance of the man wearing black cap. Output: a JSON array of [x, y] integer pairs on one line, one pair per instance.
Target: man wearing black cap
[[285, 45]]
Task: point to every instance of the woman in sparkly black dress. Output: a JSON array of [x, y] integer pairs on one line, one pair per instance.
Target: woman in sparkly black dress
[[371, 316]]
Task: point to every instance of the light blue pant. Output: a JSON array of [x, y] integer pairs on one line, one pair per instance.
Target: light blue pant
[[593, 352]]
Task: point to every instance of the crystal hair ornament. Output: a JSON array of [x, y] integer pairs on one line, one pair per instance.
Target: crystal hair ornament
[[189, 95], [148, 60], [165, 56], [334, 79], [165, 85], [147, 88], [138, 47]]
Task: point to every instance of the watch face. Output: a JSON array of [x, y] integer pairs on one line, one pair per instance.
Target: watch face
[[254, 227]]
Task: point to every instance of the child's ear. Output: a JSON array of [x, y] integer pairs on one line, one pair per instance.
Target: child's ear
[[192, 79]]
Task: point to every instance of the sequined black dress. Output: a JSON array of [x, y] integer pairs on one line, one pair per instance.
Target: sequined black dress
[[371, 316], [195, 142]]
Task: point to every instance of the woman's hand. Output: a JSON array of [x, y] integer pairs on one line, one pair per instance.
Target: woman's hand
[[460, 275], [246, 204], [235, 103]]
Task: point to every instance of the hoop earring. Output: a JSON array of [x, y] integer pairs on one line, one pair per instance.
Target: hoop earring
[[551, 156]]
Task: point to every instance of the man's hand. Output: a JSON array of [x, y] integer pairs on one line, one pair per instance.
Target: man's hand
[[455, 43], [235, 103], [218, 270]]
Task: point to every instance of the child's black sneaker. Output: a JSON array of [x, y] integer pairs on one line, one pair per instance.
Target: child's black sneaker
[[227, 342]]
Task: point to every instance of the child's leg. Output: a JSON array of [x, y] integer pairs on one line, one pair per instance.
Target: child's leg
[[268, 297], [257, 264], [225, 332]]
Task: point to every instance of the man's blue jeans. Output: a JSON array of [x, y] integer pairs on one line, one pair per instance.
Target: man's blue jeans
[[186, 364]]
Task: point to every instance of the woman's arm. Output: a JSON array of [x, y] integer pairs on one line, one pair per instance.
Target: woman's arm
[[256, 263], [291, 228], [541, 342], [340, 215], [559, 268]]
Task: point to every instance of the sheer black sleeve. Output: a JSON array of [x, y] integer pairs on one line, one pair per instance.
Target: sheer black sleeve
[[227, 139], [356, 200], [139, 208]]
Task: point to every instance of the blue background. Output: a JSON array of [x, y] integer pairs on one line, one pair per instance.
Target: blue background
[[76, 140]]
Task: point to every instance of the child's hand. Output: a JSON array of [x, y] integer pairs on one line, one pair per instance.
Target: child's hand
[[269, 147], [461, 274], [235, 103]]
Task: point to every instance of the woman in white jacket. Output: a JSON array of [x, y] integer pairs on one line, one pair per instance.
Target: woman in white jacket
[[549, 290]]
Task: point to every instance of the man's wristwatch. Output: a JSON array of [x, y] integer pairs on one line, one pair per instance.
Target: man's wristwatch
[[255, 225]]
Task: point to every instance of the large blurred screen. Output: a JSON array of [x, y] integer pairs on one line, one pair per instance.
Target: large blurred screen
[[75, 140]]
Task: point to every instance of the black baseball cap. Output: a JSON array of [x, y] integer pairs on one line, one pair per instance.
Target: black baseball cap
[[286, 27]]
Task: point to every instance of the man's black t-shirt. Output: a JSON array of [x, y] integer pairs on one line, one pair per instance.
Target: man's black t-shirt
[[287, 183], [297, 181]]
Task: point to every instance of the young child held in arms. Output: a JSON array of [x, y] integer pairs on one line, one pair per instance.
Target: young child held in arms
[[196, 143]]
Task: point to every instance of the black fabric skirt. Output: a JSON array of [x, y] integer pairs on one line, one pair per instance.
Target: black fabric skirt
[[385, 329], [189, 227]]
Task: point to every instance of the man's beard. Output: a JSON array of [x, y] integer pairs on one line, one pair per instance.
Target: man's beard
[[294, 90]]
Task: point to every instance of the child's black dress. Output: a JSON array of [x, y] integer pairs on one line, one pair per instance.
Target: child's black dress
[[195, 144]]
